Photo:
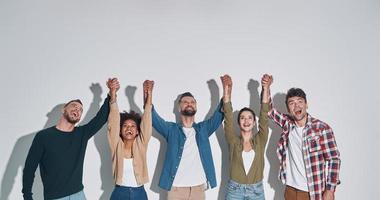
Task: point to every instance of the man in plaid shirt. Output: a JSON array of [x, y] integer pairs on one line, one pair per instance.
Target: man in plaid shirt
[[309, 157]]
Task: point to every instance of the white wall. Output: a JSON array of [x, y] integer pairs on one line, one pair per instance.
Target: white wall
[[53, 51]]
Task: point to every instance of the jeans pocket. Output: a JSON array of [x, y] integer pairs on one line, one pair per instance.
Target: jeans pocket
[[259, 191]]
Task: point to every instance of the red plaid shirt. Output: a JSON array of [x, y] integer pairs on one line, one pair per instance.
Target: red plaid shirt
[[319, 150]]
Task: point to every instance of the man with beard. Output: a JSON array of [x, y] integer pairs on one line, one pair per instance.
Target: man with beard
[[309, 156], [188, 168], [60, 151]]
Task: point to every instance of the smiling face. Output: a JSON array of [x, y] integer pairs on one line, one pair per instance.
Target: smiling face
[[246, 121], [297, 108], [72, 112], [129, 130], [188, 106]]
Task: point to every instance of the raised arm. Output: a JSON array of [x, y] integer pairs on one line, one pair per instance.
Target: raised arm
[[276, 116], [161, 126], [114, 116], [266, 82], [96, 123], [146, 120], [231, 137]]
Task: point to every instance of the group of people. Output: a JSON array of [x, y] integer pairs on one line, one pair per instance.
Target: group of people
[[309, 157]]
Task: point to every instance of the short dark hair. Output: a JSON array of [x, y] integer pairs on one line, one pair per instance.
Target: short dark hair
[[246, 109], [185, 94], [74, 100], [132, 115], [295, 92]]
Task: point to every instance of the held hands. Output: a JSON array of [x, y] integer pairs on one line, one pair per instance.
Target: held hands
[[266, 81], [113, 86], [227, 87], [148, 89]]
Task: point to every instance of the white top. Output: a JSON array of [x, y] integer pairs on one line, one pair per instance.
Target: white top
[[295, 165], [248, 159], [129, 179], [190, 170]]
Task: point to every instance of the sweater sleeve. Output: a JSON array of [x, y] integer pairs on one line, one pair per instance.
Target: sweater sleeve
[[32, 160], [96, 123]]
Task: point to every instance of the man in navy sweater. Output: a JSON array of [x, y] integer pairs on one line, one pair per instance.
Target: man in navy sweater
[[60, 151]]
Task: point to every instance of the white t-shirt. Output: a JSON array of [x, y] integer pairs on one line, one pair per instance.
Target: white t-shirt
[[129, 179], [248, 159], [295, 165], [190, 170]]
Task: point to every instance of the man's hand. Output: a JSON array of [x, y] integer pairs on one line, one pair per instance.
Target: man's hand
[[266, 81], [328, 195], [113, 86], [227, 87], [148, 90]]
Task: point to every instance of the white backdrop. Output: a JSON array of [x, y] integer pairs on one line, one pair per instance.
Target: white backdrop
[[54, 51]]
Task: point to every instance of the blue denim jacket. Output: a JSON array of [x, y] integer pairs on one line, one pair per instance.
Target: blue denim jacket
[[173, 133]]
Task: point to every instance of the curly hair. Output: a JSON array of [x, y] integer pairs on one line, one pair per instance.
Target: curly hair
[[132, 115]]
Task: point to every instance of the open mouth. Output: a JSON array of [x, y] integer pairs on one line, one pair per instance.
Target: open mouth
[[129, 133], [74, 114], [298, 112]]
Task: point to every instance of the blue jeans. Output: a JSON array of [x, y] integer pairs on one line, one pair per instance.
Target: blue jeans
[[237, 191], [128, 193], [75, 196]]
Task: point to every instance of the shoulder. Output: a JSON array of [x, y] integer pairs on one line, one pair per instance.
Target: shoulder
[[319, 124]]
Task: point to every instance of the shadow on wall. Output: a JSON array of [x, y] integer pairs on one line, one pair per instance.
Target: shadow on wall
[[274, 182], [18, 156]]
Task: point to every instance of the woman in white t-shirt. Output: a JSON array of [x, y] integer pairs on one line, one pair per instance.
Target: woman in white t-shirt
[[128, 137], [246, 148]]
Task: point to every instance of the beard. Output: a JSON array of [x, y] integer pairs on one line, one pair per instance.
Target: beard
[[70, 119], [188, 113]]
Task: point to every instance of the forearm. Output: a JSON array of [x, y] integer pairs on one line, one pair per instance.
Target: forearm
[[158, 123], [228, 122], [265, 98], [333, 174], [216, 119], [99, 120], [146, 123], [277, 117], [113, 125], [332, 157], [263, 122]]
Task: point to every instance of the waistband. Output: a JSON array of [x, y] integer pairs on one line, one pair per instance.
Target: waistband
[[236, 184]]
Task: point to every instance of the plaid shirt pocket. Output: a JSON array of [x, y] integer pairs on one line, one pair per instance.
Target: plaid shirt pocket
[[314, 144]]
